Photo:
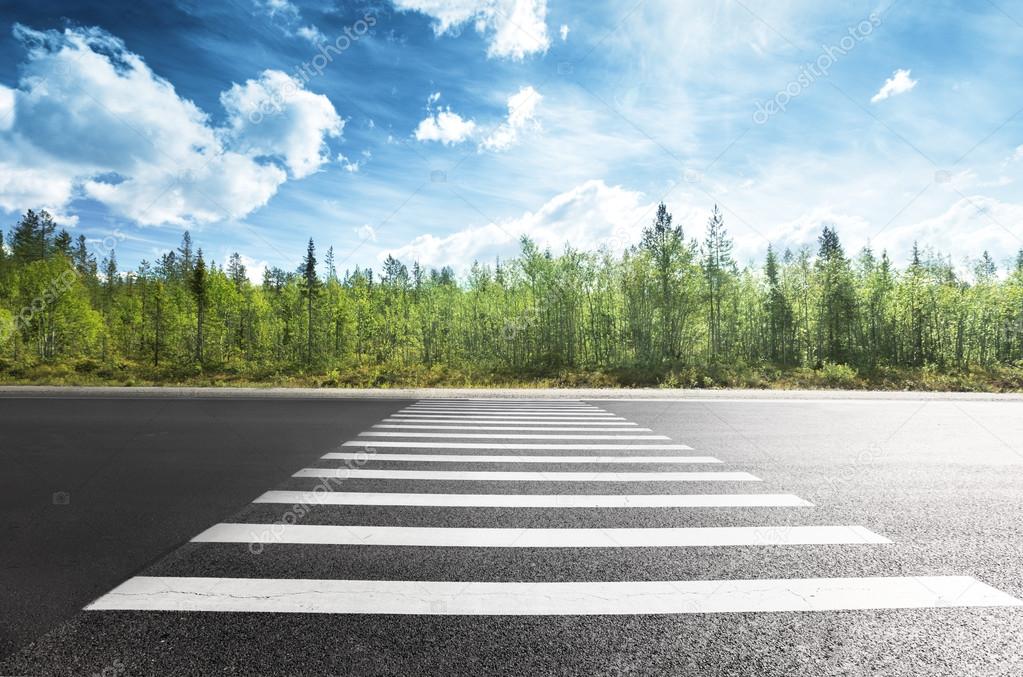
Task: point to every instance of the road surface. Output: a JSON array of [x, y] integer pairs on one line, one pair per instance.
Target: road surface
[[163, 536]]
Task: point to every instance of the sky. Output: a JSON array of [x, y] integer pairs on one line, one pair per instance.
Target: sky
[[441, 131]]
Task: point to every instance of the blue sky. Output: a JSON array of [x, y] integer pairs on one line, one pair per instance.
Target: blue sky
[[442, 130]]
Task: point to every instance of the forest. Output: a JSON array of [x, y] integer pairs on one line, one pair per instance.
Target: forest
[[673, 310]]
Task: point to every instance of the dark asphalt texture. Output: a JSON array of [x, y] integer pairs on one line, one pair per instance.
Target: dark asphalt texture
[[942, 479]]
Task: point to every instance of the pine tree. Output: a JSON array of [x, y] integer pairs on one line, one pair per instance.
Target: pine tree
[[986, 269], [110, 280], [158, 322], [198, 288], [26, 238], [779, 314], [310, 289], [47, 227], [185, 258], [329, 262], [665, 244], [837, 299], [84, 261], [62, 244], [718, 268], [236, 270]]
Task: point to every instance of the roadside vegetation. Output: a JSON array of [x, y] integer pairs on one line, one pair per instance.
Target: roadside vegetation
[[671, 311]]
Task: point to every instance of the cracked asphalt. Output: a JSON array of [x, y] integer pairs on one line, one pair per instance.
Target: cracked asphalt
[[97, 490]]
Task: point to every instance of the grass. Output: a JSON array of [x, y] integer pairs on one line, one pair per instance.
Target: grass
[[832, 376]]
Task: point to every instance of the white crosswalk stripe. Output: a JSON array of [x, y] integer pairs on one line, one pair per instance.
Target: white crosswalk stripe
[[505, 416], [538, 538], [617, 501], [380, 444], [419, 426], [437, 433], [509, 476], [476, 458], [574, 413], [498, 436], [556, 599], [507, 425]]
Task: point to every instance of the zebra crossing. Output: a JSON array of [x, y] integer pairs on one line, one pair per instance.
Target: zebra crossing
[[617, 464]]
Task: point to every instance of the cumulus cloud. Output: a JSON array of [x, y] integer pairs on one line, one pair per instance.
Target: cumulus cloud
[[514, 28], [590, 216], [521, 115], [312, 34], [6, 108], [366, 233], [564, 32], [276, 116], [349, 165], [443, 125], [278, 8], [254, 268], [91, 119], [982, 223], [899, 83]]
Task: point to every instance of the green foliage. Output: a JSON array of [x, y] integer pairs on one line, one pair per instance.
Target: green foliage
[[668, 312]]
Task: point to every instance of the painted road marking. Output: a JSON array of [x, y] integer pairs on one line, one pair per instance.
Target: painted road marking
[[501, 436], [271, 595], [525, 426], [510, 476], [473, 458], [403, 414], [444, 537], [535, 500], [518, 414], [520, 445], [512, 424]]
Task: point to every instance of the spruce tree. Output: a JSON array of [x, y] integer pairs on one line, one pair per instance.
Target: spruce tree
[[62, 244], [198, 288], [185, 258], [236, 270], [26, 239], [718, 268], [310, 289]]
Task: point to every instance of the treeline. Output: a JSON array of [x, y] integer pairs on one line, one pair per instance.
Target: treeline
[[667, 305]]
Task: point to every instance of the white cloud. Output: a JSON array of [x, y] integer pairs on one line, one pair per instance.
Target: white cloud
[[312, 34], [969, 226], [590, 216], [278, 8], [254, 269], [446, 127], [521, 115], [898, 83], [21, 187], [276, 116], [6, 108], [366, 233], [804, 230], [91, 119], [564, 32], [350, 166], [514, 28]]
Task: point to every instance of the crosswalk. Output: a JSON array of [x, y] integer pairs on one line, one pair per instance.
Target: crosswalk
[[541, 456]]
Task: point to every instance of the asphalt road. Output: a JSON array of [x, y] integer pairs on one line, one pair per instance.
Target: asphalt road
[[936, 486]]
